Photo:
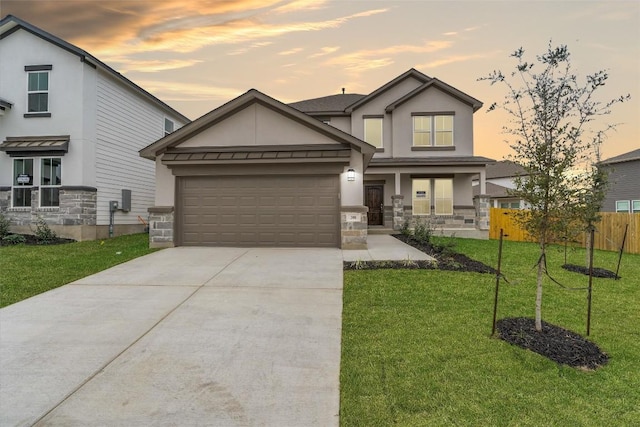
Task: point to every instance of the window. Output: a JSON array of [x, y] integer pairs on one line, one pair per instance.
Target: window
[[635, 208], [442, 200], [421, 199], [373, 131], [22, 182], [168, 126], [510, 205], [443, 195], [50, 181], [433, 131], [622, 206], [38, 92]]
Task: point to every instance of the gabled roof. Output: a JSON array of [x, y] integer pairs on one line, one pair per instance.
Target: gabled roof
[[448, 89], [412, 73], [626, 157], [504, 169], [330, 105], [243, 101], [494, 190], [10, 24]]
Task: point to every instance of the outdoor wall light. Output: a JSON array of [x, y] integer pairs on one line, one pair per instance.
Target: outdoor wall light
[[351, 174]]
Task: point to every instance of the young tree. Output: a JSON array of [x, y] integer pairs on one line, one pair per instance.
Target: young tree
[[554, 129]]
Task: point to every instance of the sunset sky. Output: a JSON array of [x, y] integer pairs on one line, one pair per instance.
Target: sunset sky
[[197, 54]]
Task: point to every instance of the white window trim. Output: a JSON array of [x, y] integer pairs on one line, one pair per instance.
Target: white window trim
[[48, 92], [43, 186], [629, 206], [13, 174], [433, 131], [633, 208]]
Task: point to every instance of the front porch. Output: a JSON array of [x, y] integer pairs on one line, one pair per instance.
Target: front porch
[[440, 196]]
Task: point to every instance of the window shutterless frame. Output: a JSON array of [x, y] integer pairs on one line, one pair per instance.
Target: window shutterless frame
[[38, 85], [433, 129], [50, 181], [23, 180]]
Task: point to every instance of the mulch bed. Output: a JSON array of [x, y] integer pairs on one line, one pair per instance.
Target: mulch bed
[[446, 259], [556, 343], [32, 240], [597, 272]]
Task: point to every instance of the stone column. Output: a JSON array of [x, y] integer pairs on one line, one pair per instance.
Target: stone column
[[398, 211], [482, 203], [353, 227], [161, 226]]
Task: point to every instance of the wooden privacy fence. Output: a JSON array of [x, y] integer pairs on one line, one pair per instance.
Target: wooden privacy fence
[[608, 236]]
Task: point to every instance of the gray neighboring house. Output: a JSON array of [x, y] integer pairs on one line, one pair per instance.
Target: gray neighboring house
[[500, 179], [320, 172], [70, 131], [623, 194]]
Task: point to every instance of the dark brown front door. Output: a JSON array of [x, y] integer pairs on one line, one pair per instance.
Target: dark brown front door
[[373, 196]]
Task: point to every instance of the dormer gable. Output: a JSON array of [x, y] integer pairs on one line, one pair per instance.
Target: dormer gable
[[410, 74], [442, 86]]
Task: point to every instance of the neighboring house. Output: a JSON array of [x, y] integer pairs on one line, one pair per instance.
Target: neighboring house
[[623, 193], [256, 172], [70, 131], [500, 179]]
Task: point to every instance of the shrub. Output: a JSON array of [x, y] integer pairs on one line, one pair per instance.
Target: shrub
[[404, 230], [4, 226], [422, 231], [43, 233], [14, 239]]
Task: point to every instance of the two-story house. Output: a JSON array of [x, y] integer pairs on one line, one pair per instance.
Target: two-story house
[[70, 131], [257, 172], [423, 167]]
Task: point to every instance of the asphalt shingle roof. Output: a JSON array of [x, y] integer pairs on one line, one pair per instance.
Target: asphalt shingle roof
[[626, 157], [331, 103]]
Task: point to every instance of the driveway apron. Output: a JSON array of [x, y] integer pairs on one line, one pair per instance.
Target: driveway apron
[[181, 337]]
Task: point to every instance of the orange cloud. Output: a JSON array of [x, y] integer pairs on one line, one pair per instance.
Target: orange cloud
[[376, 58]]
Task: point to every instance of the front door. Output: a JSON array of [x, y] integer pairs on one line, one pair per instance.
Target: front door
[[373, 197]]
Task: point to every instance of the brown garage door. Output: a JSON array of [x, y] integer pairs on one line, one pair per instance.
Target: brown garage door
[[272, 210]]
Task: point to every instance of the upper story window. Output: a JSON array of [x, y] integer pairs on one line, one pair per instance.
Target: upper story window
[[168, 126], [433, 130], [373, 131], [38, 89]]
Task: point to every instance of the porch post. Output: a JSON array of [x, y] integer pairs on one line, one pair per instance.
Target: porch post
[[483, 181], [398, 211]]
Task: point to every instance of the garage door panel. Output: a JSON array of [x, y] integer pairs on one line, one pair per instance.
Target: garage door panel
[[259, 211]]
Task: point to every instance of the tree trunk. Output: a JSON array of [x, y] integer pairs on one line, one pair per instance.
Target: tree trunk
[[541, 262]]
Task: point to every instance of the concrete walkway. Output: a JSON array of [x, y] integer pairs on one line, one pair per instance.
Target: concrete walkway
[[181, 337], [382, 247]]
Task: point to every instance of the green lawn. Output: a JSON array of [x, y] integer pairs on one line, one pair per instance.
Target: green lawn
[[26, 271], [417, 351]]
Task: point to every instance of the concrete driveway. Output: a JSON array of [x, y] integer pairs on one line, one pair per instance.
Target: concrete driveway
[[181, 337]]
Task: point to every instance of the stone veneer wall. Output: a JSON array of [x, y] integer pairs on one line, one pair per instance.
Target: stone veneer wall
[[482, 203], [78, 206], [161, 225], [353, 227], [463, 217]]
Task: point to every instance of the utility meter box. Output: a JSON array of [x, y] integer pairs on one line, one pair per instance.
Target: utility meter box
[[126, 200], [113, 205]]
